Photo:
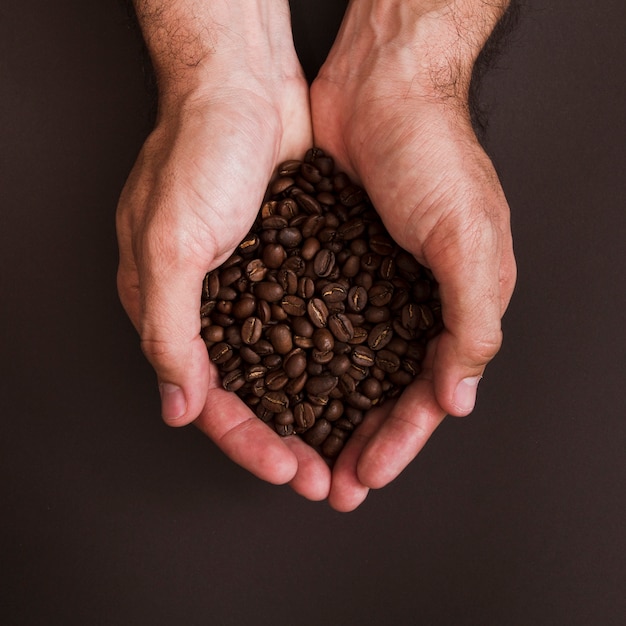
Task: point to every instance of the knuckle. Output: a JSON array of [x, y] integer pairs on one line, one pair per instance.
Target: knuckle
[[482, 349]]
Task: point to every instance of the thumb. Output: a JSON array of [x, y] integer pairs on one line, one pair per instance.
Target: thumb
[[472, 308], [170, 336]]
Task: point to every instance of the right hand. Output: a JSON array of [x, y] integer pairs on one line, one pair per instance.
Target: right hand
[[191, 197]]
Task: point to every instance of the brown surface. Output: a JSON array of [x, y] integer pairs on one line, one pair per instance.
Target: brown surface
[[511, 517]]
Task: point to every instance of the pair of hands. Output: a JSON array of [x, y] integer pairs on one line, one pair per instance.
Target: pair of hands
[[196, 188]]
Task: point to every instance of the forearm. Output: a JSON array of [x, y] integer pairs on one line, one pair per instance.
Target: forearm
[[193, 43], [436, 42]]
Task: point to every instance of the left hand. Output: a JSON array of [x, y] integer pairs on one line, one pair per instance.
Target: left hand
[[438, 194]]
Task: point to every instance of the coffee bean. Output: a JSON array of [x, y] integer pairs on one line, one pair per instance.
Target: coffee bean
[[276, 380], [251, 330], [303, 414], [268, 291], [321, 385], [295, 363], [244, 307], [234, 380], [289, 168], [294, 305], [324, 262], [256, 270], [362, 355], [323, 339], [380, 294], [341, 326], [380, 336], [220, 353], [316, 435], [318, 312], [387, 361], [281, 338], [274, 255]]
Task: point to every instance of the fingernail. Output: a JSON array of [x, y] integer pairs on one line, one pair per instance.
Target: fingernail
[[465, 394], [173, 404]]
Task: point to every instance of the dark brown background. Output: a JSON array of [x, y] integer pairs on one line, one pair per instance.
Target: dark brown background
[[514, 516]]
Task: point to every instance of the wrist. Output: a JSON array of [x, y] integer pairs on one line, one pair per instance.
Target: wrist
[[198, 48], [431, 44]]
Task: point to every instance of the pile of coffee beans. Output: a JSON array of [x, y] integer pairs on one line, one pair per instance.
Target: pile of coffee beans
[[318, 315]]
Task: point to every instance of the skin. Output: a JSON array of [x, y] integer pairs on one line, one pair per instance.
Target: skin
[[390, 104]]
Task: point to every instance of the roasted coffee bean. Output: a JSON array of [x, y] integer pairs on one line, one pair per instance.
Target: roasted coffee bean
[[318, 312], [284, 417], [309, 204], [222, 319], [234, 363], [333, 444], [220, 353], [341, 326], [296, 385], [288, 280], [351, 195], [303, 415], [282, 184], [310, 173], [359, 401], [334, 410], [360, 336], [293, 305], [211, 285], [380, 294], [288, 208], [268, 291], [284, 430], [272, 361], [351, 229], [387, 361], [339, 364], [324, 262], [213, 333], [234, 380], [255, 372], [310, 248], [357, 298], [274, 255], [229, 275], [321, 385], [371, 388], [380, 336], [362, 355], [251, 330], [316, 435], [289, 237], [354, 415], [295, 363], [256, 270], [244, 307], [289, 168], [323, 339], [249, 355], [281, 338], [276, 380], [275, 401]]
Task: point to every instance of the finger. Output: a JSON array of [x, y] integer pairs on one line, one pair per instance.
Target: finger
[[401, 436], [245, 439], [347, 492], [312, 478], [469, 274], [170, 285]]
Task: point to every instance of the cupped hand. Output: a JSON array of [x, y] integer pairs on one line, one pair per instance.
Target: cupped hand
[[191, 197], [438, 194]]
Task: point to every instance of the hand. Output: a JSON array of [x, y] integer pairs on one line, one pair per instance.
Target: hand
[[401, 127], [191, 197]]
